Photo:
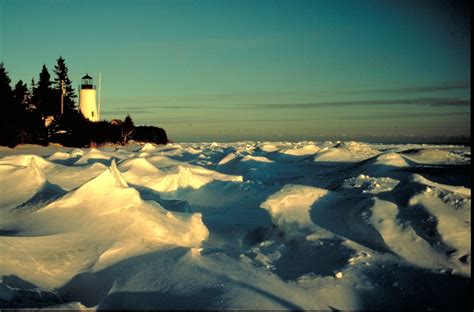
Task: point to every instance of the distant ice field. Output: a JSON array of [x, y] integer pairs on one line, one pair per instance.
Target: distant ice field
[[248, 225]]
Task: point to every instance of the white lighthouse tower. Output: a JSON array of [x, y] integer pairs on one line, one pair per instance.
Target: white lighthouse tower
[[87, 99]]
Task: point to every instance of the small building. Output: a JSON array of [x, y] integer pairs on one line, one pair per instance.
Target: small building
[[87, 98], [116, 122]]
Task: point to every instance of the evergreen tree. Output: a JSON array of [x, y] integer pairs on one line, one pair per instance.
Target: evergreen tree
[[8, 126], [20, 96], [128, 122], [61, 71], [43, 96], [31, 106], [128, 128], [6, 94]]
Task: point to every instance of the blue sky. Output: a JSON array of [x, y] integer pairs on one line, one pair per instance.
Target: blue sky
[[227, 70]]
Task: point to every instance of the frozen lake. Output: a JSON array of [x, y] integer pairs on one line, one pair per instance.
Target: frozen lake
[[249, 225]]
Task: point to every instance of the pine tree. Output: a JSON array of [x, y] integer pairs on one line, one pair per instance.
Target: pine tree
[[8, 122], [6, 94], [128, 121], [20, 96], [127, 128], [31, 92], [43, 96], [61, 71]]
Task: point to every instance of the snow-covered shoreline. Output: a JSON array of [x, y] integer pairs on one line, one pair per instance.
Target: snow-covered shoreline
[[247, 225]]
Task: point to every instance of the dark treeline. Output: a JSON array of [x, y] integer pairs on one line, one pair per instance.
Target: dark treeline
[[33, 115]]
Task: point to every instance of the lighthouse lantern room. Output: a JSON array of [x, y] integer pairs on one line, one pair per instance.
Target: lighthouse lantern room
[[87, 98]]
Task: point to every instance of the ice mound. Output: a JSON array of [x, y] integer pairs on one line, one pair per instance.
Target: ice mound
[[139, 166], [268, 148], [109, 183], [31, 179], [192, 150], [289, 208], [345, 152], [171, 152], [434, 156], [455, 189], [148, 147], [356, 147], [91, 156], [257, 168], [70, 177], [171, 178], [161, 161], [77, 152], [194, 177], [96, 225], [402, 239], [391, 160], [451, 210], [309, 149], [238, 157], [59, 156], [25, 161], [371, 185], [139, 171], [228, 158], [261, 159]]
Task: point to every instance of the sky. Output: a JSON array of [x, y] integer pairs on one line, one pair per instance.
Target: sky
[[233, 70]]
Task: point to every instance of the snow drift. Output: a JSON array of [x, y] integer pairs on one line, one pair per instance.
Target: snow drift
[[246, 225], [93, 226]]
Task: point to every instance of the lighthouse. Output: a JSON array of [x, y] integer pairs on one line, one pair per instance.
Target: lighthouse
[[87, 98]]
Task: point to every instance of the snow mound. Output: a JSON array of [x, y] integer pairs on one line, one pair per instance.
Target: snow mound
[[455, 189], [451, 209], [228, 158], [434, 156], [71, 177], [31, 179], [91, 156], [371, 185], [139, 166], [171, 152], [59, 156], [269, 148], [94, 226], [148, 147], [190, 176], [392, 160], [110, 183], [289, 208], [77, 152], [261, 159], [345, 152], [192, 150], [25, 161], [402, 239], [172, 177], [302, 151]]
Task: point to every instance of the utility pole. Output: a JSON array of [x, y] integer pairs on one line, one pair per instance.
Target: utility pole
[[62, 97]]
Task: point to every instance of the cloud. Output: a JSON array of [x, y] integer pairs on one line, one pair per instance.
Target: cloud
[[407, 115], [373, 116], [419, 101], [446, 86], [211, 101], [434, 102]]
